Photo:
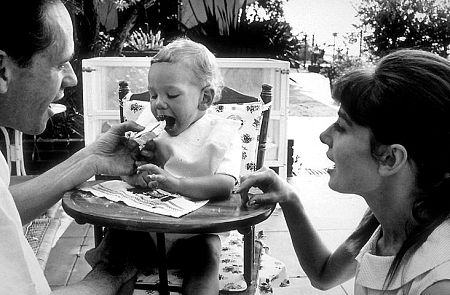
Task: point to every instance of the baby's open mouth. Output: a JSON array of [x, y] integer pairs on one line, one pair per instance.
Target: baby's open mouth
[[170, 121]]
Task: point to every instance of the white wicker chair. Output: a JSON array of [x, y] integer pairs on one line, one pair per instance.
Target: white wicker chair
[[41, 232]]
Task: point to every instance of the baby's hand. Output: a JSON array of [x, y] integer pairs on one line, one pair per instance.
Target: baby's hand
[[138, 180], [159, 178]]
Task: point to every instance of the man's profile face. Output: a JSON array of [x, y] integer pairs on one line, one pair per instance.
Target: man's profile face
[[31, 90]]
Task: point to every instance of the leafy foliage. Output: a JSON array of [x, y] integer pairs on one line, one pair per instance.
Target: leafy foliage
[[421, 24], [231, 30], [256, 30], [65, 125], [343, 64], [140, 40], [123, 4], [69, 124]]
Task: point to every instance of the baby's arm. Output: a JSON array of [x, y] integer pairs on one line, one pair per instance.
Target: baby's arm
[[199, 188]]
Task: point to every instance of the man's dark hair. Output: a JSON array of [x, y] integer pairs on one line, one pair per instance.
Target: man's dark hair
[[26, 30]]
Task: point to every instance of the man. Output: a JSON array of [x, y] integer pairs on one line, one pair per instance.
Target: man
[[36, 45]]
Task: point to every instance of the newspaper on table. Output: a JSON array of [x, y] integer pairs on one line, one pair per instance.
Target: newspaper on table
[[155, 201]]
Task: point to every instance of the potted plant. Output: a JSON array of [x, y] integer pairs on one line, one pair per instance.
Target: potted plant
[[140, 43], [63, 136]]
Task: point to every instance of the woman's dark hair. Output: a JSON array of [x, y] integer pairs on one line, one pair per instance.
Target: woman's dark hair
[[405, 100], [26, 30]]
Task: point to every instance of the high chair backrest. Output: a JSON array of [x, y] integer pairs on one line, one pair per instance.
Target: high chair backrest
[[253, 112]]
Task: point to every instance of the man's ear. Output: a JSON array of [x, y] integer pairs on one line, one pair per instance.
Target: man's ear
[[4, 72], [391, 159], [207, 98]]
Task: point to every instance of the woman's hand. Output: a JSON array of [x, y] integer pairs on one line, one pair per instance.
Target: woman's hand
[[275, 189]]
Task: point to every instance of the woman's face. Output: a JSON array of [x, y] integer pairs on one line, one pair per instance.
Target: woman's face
[[175, 95], [355, 170]]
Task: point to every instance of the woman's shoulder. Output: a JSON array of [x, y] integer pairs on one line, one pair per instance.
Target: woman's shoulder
[[434, 281], [438, 288], [435, 250], [430, 263]]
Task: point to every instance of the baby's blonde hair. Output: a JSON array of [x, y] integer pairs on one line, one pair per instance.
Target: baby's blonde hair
[[202, 62]]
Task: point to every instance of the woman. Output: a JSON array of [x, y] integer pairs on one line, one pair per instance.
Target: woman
[[391, 146]]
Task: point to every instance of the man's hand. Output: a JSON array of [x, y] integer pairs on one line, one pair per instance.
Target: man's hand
[[149, 154], [115, 153], [123, 253]]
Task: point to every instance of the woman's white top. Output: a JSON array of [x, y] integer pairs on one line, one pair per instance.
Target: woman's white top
[[428, 265]]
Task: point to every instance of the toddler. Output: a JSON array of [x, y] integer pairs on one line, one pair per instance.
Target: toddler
[[197, 155]]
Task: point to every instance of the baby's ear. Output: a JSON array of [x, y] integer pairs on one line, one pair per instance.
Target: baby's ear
[[207, 98]]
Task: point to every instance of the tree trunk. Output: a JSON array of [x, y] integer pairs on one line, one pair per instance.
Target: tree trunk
[[123, 32], [87, 29]]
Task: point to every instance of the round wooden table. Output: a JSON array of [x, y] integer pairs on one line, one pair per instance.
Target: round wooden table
[[214, 217]]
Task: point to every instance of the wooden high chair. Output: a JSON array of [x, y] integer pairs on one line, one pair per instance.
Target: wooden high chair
[[232, 104]]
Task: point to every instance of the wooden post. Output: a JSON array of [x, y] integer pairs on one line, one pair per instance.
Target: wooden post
[[124, 89], [266, 96]]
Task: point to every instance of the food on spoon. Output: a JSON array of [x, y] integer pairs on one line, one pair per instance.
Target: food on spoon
[[150, 132]]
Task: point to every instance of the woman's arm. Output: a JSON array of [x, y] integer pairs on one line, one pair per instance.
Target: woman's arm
[[324, 268]]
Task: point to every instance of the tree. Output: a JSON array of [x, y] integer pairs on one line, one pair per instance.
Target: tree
[[393, 24], [92, 38]]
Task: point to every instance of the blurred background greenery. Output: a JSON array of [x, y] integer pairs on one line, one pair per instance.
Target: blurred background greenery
[[243, 28]]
